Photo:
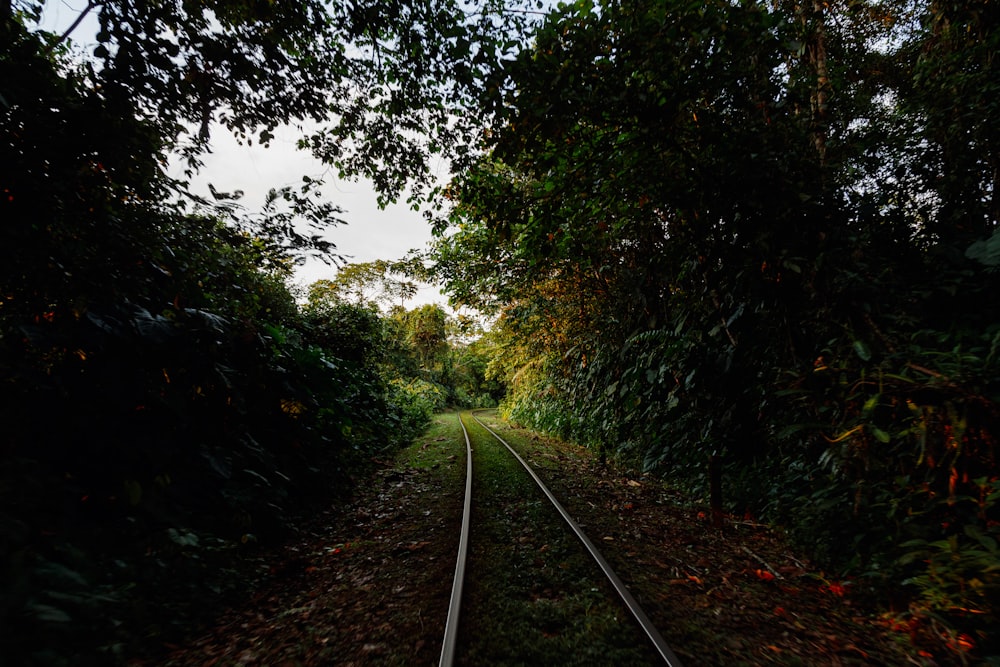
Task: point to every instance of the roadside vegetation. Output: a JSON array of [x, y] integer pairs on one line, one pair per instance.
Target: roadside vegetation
[[753, 247], [749, 248], [169, 404]]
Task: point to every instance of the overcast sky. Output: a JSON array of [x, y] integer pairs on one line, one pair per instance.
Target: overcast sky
[[370, 234]]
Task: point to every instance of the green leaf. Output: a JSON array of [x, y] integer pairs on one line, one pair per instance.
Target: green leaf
[[986, 251], [862, 350], [870, 405], [182, 538], [988, 542], [50, 614]]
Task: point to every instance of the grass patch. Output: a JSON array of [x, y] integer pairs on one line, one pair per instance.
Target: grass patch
[[533, 595], [441, 444]]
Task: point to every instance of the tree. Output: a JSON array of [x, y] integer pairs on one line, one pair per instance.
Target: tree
[[426, 331], [465, 371], [165, 403], [955, 91], [366, 283], [384, 82], [623, 203], [738, 231]]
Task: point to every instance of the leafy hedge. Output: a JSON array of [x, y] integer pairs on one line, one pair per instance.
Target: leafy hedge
[[764, 234], [166, 405]]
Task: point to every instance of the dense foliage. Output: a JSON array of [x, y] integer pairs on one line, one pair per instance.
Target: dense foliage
[[764, 233], [432, 359], [166, 403], [759, 234]]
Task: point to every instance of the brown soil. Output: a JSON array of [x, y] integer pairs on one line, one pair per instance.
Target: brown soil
[[731, 596], [369, 583]]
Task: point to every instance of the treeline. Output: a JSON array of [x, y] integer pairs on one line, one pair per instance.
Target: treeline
[[167, 403], [764, 234]]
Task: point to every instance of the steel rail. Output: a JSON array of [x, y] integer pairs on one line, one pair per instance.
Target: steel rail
[[630, 602], [451, 625]]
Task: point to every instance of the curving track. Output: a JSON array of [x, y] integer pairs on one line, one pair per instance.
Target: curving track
[[451, 626]]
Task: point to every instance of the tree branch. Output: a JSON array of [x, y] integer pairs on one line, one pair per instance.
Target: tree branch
[[86, 10]]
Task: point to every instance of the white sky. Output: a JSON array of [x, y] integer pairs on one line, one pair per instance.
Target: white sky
[[371, 233]]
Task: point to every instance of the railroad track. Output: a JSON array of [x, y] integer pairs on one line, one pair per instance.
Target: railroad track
[[450, 645]]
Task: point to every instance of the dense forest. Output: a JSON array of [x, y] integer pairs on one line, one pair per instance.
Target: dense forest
[[756, 244], [747, 246], [169, 402]]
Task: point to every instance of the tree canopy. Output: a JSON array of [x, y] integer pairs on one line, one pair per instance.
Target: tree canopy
[[380, 282], [167, 405], [378, 86], [759, 233]]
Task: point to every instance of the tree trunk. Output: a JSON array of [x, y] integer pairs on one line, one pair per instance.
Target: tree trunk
[[821, 91]]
